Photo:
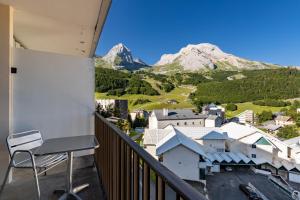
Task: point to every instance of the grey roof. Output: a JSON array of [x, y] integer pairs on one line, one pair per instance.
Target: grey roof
[[202, 133], [174, 139], [213, 135], [214, 117], [178, 114], [272, 127], [292, 141], [153, 136]]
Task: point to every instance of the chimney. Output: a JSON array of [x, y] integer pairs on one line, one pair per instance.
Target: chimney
[[165, 112]]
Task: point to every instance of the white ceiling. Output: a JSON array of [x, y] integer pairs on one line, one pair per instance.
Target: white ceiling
[[60, 26]]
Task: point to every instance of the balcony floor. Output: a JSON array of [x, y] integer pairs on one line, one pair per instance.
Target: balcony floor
[[23, 186]]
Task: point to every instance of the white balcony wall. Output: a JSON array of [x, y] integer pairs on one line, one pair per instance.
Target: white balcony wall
[[53, 93]]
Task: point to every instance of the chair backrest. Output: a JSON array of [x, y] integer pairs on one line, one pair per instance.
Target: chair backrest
[[24, 141]]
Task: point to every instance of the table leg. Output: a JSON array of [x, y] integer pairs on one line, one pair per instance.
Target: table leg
[[70, 172], [70, 191]]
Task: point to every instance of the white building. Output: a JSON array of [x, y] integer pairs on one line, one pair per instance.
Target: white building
[[231, 144], [139, 113], [284, 120], [106, 103], [182, 155], [179, 117], [182, 148], [213, 121], [120, 105], [246, 117]]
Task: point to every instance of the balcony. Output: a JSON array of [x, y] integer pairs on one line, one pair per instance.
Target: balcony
[[23, 186], [47, 83], [122, 170]]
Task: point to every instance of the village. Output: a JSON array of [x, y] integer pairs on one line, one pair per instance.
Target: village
[[198, 145]]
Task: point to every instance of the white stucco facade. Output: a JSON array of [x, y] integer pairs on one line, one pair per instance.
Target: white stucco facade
[[155, 124], [183, 162]]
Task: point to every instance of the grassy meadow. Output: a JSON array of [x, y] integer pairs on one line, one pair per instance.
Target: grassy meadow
[[180, 94], [250, 106]]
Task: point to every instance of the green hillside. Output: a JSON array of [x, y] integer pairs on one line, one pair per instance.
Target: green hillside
[[147, 90], [257, 85]]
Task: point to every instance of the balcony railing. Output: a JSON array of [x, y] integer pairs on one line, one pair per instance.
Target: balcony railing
[[128, 172]]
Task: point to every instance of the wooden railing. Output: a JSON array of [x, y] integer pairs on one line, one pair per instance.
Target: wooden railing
[[128, 172]]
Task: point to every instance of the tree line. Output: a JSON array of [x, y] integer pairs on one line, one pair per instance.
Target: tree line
[[118, 83], [258, 85]]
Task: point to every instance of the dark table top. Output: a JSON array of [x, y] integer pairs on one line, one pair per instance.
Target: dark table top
[[67, 144]]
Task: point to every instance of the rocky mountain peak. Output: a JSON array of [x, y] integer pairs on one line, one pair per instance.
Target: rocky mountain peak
[[120, 56], [206, 56]]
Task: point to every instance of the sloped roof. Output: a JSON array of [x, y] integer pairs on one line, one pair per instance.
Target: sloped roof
[[250, 134], [213, 135], [251, 139], [272, 127], [237, 131], [228, 157], [153, 136], [283, 118], [212, 117], [175, 138], [178, 114], [258, 161], [244, 157], [293, 141], [287, 165], [198, 133]]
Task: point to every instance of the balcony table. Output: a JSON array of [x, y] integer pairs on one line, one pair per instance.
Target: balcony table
[[68, 145]]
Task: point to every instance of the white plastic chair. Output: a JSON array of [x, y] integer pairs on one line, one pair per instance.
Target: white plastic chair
[[21, 147]]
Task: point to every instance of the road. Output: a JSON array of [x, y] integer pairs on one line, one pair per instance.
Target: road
[[225, 186]]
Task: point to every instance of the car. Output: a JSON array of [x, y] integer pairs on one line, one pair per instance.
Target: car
[[295, 194], [249, 192], [228, 169]]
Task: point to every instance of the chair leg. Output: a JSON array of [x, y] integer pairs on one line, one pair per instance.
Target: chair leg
[[6, 177], [36, 179]]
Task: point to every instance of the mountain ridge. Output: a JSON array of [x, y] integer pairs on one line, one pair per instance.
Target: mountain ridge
[[191, 58], [206, 56]]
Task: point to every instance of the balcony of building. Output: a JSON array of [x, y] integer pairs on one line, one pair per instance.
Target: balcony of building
[[47, 83]]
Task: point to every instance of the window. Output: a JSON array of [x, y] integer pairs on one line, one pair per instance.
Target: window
[[202, 174], [177, 123], [185, 123], [289, 151], [160, 159], [193, 123], [253, 146], [253, 155]]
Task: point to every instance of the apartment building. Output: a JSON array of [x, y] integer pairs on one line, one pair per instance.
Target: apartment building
[[231, 144], [178, 117], [118, 105]]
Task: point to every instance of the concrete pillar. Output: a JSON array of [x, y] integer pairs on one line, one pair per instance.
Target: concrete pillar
[[6, 44]]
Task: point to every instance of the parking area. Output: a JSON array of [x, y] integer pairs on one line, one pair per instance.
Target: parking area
[[225, 186]]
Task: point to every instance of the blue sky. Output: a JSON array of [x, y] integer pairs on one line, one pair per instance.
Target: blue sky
[[263, 30]]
